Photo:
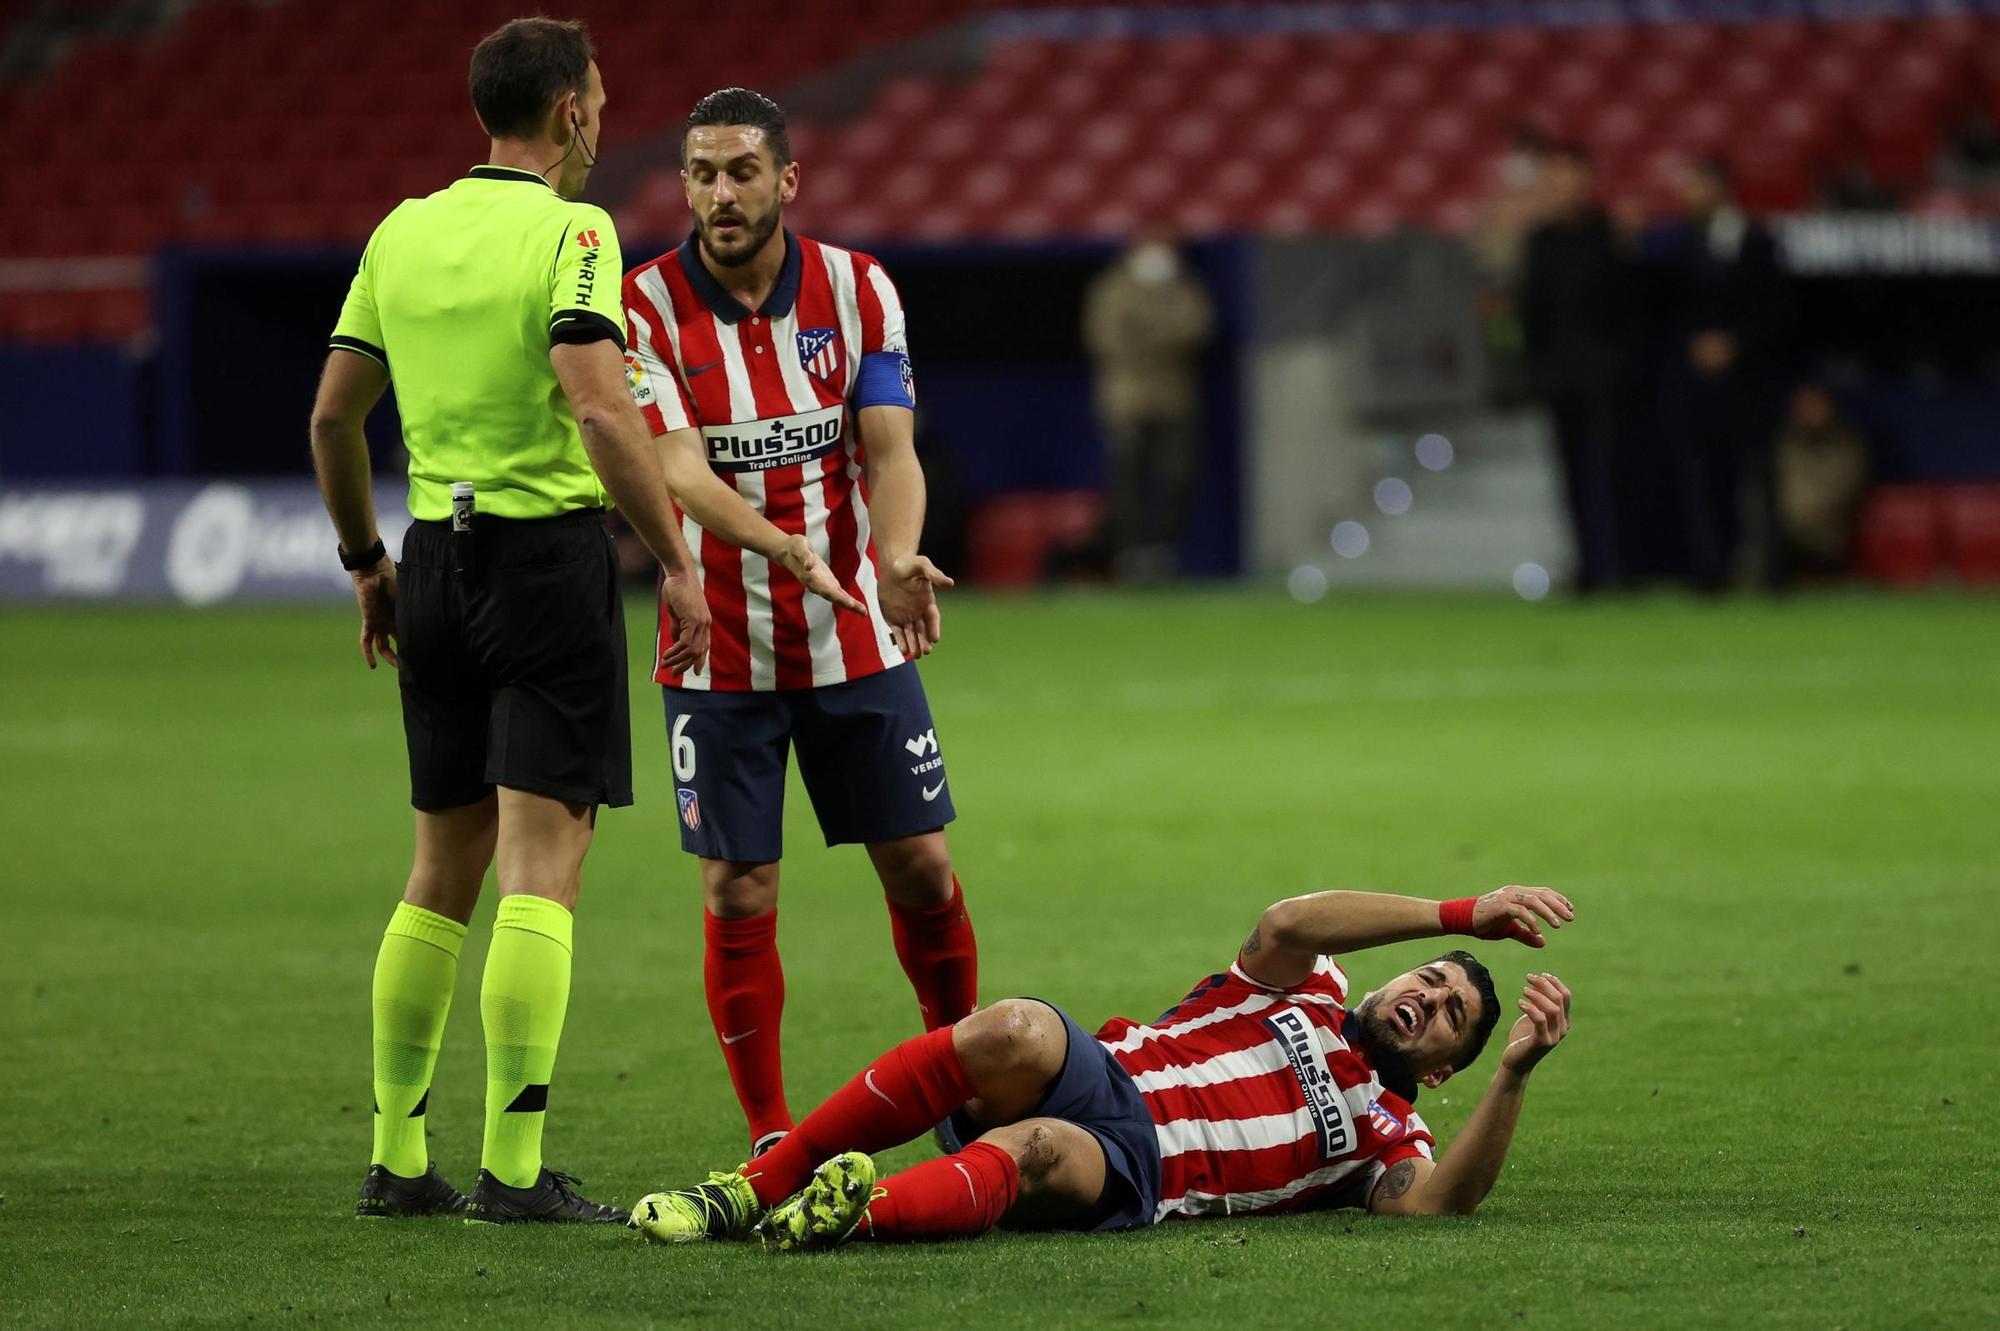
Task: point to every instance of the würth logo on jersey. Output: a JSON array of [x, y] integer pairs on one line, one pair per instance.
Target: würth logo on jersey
[[586, 240], [819, 352], [1323, 1103]]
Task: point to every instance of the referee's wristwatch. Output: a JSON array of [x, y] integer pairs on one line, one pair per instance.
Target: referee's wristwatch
[[364, 561]]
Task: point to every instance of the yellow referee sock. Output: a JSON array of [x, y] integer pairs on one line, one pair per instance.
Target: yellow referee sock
[[523, 998], [414, 975]]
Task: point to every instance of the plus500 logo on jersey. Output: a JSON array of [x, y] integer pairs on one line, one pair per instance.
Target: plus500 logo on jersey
[[778, 442]]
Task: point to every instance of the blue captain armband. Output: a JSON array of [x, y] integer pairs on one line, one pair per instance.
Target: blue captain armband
[[885, 381]]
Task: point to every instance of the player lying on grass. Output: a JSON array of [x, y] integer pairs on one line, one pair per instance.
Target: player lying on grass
[[1258, 1092]]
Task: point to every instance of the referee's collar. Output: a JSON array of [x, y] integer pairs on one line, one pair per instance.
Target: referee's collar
[[725, 306], [490, 172]]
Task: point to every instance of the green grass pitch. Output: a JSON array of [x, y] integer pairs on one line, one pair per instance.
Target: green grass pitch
[[1779, 823]]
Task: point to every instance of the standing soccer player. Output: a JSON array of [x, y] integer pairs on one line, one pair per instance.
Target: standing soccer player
[[788, 356], [491, 303]]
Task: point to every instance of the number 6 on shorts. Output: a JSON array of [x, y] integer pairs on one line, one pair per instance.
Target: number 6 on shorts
[[684, 757]]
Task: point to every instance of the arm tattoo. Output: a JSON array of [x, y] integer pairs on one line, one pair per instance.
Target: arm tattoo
[[1253, 942], [1397, 1181]]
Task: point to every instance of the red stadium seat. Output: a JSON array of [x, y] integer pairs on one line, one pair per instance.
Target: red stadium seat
[[1899, 135], [1319, 90], [1526, 48], [947, 138], [1972, 532], [1771, 177], [1010, 537], [1901, 539], [1782, 40]]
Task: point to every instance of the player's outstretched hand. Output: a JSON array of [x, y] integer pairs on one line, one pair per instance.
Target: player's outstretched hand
[[692, 620], [1544, 1022], [375, 592], [797, 555], [1519, 913], [908, 592]]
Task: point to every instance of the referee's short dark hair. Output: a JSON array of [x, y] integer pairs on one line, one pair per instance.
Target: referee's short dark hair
[[741, 106], [521, 68]]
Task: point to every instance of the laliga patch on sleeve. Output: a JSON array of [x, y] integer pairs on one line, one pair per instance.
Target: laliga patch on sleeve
[[639, 381]]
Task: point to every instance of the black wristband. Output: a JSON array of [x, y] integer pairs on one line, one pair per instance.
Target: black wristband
[[367, 559]]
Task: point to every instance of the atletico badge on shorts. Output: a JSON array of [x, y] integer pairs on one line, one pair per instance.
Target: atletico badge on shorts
[[819, 352], [690, 808]]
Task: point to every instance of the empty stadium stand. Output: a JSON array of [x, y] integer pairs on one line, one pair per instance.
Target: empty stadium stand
[[288, 125]]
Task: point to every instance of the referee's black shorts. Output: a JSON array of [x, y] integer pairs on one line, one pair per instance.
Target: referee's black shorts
[[514, 672]]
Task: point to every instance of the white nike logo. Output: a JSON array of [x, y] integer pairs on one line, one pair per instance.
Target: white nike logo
[[960, 1167], [732, 1039], [931, 792], [868, 1079]]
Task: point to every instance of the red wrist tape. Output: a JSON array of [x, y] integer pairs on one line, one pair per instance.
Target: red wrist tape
[[1455, 917]]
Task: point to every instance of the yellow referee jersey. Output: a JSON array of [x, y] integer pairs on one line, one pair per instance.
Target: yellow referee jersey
[[461, 295]]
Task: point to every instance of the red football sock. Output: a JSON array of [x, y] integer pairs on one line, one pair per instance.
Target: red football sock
[[959, 1195], [899, 1096], [746, 1001], [938, 953]]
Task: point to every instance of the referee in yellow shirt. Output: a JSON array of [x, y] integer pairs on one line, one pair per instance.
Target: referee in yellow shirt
[[494, 306]]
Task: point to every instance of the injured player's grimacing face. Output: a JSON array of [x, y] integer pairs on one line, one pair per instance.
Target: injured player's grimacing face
[[1428, 1015]]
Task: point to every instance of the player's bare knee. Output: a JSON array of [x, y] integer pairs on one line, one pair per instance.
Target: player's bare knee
[[1009, 1036], [915, 871], [739, 891], [1037, 1152]]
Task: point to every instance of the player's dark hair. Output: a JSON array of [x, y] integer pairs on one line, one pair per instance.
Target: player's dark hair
[[521, 68], [1489, 1007], [742, 106]]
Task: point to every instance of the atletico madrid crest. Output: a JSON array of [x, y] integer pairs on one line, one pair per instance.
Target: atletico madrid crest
[[819, 352], [690, 808]]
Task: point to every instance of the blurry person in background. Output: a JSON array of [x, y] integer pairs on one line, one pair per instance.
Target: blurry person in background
[[1727, 314], [1146, 320], [1499, 244], [1575, 309], [1822, 475]]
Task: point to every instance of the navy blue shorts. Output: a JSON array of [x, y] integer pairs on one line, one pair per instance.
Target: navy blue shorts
[[1097, 1095], [867, 750]]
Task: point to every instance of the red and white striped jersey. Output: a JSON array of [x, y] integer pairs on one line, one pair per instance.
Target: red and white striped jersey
[[1260, 1101], [773, 392]]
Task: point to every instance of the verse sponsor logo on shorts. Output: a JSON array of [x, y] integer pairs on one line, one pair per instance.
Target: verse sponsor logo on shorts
[[780, 441], [925, 748], [690, 808]]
